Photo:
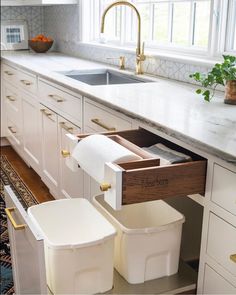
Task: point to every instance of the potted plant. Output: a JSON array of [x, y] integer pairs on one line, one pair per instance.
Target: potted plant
[[221, 74]]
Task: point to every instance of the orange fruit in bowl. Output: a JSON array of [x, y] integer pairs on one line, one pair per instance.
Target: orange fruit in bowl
[[39, 37], [40, 43]]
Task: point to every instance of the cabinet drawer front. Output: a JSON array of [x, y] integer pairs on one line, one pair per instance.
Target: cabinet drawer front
[[224, 188], [100, 120], [221, 244], [144, 179], [9, 73], [12, 103], [28, 82], [61, 101], [216, 284], [13, 133]]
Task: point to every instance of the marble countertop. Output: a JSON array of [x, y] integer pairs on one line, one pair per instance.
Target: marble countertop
[[166, 105]]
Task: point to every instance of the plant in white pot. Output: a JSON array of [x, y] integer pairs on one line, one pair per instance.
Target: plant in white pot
[[221, 74]]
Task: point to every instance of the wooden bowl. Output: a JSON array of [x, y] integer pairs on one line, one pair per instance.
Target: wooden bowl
[[40, 46]]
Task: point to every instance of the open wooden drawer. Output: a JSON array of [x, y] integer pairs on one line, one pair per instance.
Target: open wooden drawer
[[146, 180]]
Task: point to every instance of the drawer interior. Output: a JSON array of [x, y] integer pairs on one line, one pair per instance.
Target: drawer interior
[[146, 180]]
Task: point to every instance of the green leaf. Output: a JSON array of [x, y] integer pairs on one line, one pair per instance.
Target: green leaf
[[218, 75], [206, 95]]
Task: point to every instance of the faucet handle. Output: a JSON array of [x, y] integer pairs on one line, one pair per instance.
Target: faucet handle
[[121, 61]]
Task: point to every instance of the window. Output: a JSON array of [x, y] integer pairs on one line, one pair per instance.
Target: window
[[231, 27], [205, 27]]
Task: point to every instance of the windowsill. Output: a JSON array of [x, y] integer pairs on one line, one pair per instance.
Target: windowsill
[[205, 61]]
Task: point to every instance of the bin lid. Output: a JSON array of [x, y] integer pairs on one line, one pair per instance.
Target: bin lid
[[70, 223], [146, 217]]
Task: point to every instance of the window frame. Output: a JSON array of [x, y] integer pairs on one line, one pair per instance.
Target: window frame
[[218, 43]]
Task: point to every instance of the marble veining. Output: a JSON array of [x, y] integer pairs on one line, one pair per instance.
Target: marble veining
[[169, 106]]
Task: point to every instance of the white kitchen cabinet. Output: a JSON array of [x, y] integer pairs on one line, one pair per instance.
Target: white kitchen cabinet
[[224, 188], [50, 150], [214, 283], [3, 111], [62, 101], [31, 131], [8, 75], [27, 249], [221, 245], [71, 183], [13, 116], [98, 118], [36, 2]]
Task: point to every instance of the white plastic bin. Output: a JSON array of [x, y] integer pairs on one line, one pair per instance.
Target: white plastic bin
[[79, 246], [147, 245]]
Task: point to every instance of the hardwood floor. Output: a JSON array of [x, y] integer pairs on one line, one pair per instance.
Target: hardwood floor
[[28, 175]]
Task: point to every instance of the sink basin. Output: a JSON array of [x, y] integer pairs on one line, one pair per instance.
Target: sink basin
[[104, 77]]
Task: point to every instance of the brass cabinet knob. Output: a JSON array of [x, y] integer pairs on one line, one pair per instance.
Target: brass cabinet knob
[[105, 186], [233, 257], [65, 153]]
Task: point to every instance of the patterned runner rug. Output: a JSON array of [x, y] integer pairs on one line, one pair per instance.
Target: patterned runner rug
[[10, 177]]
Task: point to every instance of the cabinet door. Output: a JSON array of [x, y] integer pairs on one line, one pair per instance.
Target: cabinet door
[[50, 150], [27, 249], [3, 110], [214, 283], [13, 116], [71, 183], [31, 131]]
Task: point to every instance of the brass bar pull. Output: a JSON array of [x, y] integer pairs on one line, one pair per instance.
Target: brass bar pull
[[44, 111], [65, 127], [25, 82], [14, 224], [12, 130], [233, 257], [8, 73], [99, 123], [11, 98], [57, 98]]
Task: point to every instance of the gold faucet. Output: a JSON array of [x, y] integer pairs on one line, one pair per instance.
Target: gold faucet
[[121, 61], [140, 57]]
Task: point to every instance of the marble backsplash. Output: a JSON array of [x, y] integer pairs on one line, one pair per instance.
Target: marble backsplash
[[32, 14]]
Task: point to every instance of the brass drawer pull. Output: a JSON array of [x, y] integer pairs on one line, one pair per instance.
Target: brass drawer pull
[[25, 82], [11, 129], [65, 127], [44, 111], [233, 257], [57, 98], [8, 73], [11, 98], [65, 153], [14, 224], [104, 187], [99, 123]]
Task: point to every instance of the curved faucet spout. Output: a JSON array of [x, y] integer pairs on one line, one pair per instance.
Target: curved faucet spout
[[139, 52]]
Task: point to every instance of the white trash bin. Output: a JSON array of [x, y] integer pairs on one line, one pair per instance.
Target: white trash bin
[[79, 246], [147, 245]]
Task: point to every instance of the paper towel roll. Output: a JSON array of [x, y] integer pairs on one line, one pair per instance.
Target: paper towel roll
[[94, 151]]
